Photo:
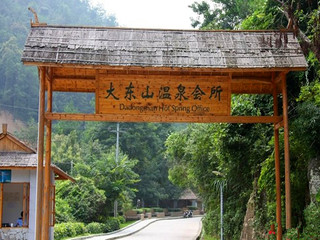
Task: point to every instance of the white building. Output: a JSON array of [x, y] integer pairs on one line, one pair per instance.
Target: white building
[[18, 168]]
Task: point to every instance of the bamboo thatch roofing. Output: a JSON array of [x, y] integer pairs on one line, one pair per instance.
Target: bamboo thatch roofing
[[11, 160], [23, 157], [188, 194], [162, 48], [21, 160]]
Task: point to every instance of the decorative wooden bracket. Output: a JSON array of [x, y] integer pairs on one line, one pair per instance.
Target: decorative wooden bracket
[[36, 20]]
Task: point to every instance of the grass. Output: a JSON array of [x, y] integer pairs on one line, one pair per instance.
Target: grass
[[208, 237], [123, 225]]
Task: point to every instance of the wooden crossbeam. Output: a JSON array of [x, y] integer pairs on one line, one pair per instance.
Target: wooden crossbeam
[[158, 118]]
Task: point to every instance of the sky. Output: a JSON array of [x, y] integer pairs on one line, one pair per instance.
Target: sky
[[164, 14]]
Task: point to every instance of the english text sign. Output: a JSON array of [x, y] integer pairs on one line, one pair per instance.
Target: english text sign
[[163, 95]]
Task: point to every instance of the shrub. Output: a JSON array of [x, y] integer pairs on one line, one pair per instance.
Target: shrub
[[79, 228], [60, 231], [192, 208], [69, 229], [174, 209], [111, 225], [291, 233], [157, 209], [95, 227], [138, 210], [146, 210], [312, 217], [121, 219]]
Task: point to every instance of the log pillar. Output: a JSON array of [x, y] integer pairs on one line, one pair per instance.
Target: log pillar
[[277, 164], [40, 152], [47, 170], [286, 151]]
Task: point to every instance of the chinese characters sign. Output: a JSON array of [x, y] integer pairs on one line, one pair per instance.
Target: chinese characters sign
[[163, 95]]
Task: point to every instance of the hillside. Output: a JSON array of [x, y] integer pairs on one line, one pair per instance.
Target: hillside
[[18, 83]]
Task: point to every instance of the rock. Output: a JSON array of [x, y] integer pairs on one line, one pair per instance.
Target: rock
[[248, 232], [314, 177]]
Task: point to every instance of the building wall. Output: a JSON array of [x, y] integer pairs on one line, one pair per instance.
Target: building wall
[[33, 203], [23, 176]]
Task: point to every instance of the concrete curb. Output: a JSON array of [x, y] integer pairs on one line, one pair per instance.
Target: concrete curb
[[104, 234], [199, 233]]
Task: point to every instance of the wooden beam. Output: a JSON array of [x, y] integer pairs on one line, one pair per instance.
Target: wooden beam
[[277, 79], [277, 164], [61, 175], [158, 118], [286, 151], [171, 69], [278, 125], [40, 153], [73, 85], [252, 80]]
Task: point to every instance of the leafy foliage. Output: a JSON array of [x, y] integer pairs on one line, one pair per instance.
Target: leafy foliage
[[225, 14], [303, 91], [70, 229], [83, 197]]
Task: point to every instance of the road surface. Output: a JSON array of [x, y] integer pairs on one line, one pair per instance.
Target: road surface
[[174, 229]]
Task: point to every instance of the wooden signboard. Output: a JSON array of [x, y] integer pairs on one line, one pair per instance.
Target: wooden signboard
[[144, 95]]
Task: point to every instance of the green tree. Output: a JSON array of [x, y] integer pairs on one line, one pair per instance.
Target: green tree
[[116, 178], [143, 141], [303, 18], [225, 14], [66, 151], [85, 200]]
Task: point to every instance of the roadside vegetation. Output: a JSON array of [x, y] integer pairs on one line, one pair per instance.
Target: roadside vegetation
[[244, 153]]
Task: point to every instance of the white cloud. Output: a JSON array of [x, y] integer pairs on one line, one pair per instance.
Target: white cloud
[[171, 14]]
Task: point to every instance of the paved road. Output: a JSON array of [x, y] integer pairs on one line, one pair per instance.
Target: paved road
[[175, 229]]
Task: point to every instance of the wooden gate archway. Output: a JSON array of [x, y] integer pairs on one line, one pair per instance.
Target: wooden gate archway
[[152, 75]]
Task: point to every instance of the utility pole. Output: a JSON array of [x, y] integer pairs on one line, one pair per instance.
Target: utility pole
[[117, 144], [221, 210], [221, 185], [115, 204]]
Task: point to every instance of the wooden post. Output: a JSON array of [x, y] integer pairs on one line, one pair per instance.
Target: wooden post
[[4, 128], [1, 200], [277, 164], [40, 153], [24, 205], [47, 170], [286, 151]]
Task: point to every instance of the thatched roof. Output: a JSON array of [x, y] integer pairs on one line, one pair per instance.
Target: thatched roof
[[11, 160], [18, 160], [162, 48], [14, 154], [188, 194]]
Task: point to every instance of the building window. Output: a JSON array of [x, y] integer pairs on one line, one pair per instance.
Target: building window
[[14, 204]]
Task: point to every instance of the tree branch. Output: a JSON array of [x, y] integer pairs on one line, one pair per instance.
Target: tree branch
[[306, 44]]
